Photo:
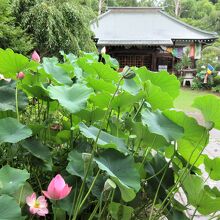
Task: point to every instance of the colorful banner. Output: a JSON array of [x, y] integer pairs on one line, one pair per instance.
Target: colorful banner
[[194, 51]]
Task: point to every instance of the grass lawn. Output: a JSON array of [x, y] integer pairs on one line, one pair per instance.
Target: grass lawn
[[186, 98]]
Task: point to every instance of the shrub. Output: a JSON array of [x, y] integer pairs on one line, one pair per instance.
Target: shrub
[[216, 80]]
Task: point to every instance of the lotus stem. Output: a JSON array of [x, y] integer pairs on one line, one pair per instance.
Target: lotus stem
[[92, 154], [16, 101]]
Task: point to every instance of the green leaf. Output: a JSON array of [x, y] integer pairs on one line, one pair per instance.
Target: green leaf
[[167, 82], [155, 168], [12, 63], [120, 212], [209, 106], [156, 97], [194, 139], [131, 86], [72, 98], [101, 85], [9, 208], [105, 140], [37, 149], [7, 97], [212, 167], [11, 131], [76, 165], [21, 194], [94, 69], [91, 116], [57, 72], [146, 138], [122, 171], [12, 179], [122, 101], [112, 62], [101, 100], [175, 214], [159, 124], [199, 197], [37, 91], [125, 100]]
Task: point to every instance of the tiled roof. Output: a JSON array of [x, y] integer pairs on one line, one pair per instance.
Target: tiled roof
[[144, 26]]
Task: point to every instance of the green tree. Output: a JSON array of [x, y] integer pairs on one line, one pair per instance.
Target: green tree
[[11, 35], [123, 3], [57, 25]]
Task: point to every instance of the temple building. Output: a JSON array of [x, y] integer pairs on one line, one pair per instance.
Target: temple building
[[148, 37]]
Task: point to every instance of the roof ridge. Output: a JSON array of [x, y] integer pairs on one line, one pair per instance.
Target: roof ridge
[[188, 25]]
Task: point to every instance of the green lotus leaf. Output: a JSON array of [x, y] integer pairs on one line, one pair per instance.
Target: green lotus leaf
[[12, 131], [37, 91], [12, 63], [122, 171], [199, 196], [72, 98], [212, 167], [209, 106], [121, 101], [120, 212], [96, 69], [21, 194], [124, 100], [101, 100], [155, 168], [101, 85], [176, 214], [194, 139], [52, 68], [105, 140], [167, 82], [159, 124], [106, 73], [146, 138], [9, 208], [191, 154], [7, 97], [37, 149], [131, 86], [12, 179], [112, 62], [77, 166], [90, 116], [156, 97]]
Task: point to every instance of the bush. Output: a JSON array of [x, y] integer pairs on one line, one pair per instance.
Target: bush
[[216, 80], [216, 88]]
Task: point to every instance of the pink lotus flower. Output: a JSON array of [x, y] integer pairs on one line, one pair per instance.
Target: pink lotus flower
[[57, 188], [20, 75], [37, 205], [35, 56]]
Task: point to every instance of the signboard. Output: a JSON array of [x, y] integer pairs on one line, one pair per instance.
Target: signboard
[[162, 67]]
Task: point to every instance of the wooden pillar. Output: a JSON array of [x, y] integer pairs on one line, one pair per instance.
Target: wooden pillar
[[173, 59], [154, 62]]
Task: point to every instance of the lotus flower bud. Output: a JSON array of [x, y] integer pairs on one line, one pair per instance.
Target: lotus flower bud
[[57, 189], [128, 73], [109, 184], [35, 56], [20, 75]]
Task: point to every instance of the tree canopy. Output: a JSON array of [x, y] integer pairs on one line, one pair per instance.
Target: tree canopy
[[56, 25], [11, 34]]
